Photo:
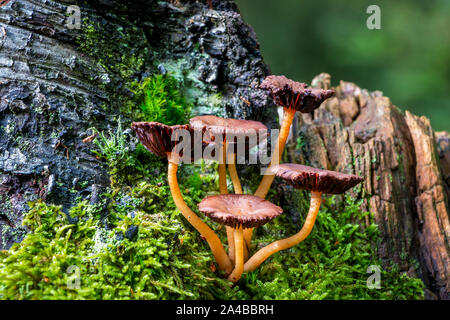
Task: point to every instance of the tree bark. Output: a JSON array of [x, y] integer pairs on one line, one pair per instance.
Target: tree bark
[[406, 174], [57, 82]]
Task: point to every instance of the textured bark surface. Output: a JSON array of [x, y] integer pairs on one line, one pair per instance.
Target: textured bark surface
[[55, 85], [443, 145], [406, 174]]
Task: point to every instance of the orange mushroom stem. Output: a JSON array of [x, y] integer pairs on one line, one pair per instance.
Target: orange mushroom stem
[[223, 188], [267, 180], [234, 174], [264, 253], [239, 254], [213, 240], [318, 182], [237, 190]]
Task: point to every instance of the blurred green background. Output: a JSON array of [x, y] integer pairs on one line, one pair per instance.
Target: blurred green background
[[408, 58]]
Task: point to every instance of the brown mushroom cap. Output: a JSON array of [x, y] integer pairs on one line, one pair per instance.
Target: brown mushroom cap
[[313, 179], [216, 125], [295, 95], [157, 137], [234, 131], [239, 209]]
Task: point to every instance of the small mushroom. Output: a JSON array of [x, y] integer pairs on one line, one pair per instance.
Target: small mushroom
[[317, 181], [239, 212], [157, 138], [231, 130], [292, 96]]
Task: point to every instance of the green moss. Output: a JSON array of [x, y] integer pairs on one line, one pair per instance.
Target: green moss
[[300, 145], [154, 265], [331, 263], [167, 259], [160, 100], [113, 49], [121, 55]]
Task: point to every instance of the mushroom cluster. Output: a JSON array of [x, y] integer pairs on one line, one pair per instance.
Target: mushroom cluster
[[216, 138]]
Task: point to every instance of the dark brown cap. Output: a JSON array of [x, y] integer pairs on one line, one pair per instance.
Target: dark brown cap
[[295, 95], [313, 179], [157, 137], [239, 209]]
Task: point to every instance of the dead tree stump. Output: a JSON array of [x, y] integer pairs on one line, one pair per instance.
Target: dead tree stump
[[406, 167]]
